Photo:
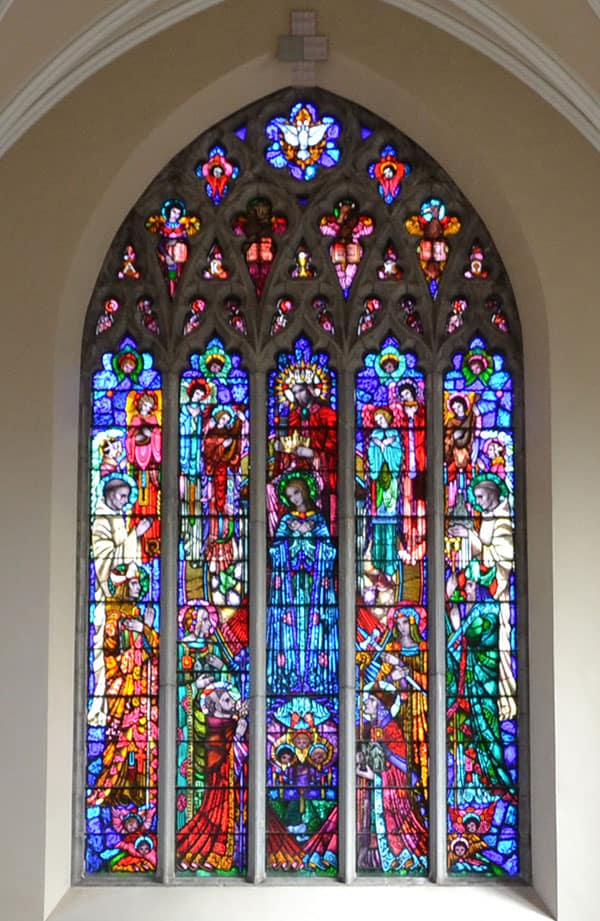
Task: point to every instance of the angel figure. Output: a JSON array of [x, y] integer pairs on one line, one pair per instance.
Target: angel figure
[[259, 225], [432, 225], [347, 227], [173, 226], [137, 842]]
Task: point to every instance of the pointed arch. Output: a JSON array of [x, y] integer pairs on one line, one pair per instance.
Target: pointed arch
[[343, 248]]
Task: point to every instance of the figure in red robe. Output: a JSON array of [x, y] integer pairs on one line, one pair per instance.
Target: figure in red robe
[[222, 452], [212, 839], [392, 835], [144, 454], [311, 444]]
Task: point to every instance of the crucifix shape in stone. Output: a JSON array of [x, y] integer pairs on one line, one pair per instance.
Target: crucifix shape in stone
[[302, 48]]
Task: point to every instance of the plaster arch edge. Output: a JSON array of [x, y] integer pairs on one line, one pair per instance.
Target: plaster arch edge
[[497, 36], [4, 5]]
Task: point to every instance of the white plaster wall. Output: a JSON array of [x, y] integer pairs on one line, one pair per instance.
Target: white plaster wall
[[65, 188]]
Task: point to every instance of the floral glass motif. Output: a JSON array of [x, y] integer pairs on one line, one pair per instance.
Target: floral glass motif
[[128, 268], [235, 317], [215, 267], [194, 316], [456, 314], [497, 316], [303, 142], [324, 315], [433, 225], [124, 614], [281, 316], [476, 269], [392, 762], [347, 227], [410, 314], [302, 615], [388, 172], [481, 676], [368, 317], [147, 315], [390, 268], [303, 266], [213, 658], [173, 227], [108, 315], [260, 227], [217, 173]]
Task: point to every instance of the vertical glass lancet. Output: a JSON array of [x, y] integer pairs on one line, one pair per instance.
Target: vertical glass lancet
[[123, 624], [392, 759], [302, 615], [479, 477], [212, 649]]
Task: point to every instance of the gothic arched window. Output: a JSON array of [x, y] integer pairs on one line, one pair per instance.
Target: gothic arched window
[[304, 483]]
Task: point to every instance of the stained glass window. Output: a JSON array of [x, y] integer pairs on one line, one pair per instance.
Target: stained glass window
[[303, 429]]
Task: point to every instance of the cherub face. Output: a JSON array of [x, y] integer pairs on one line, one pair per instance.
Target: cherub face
[[301, 740], [319, 754], [131, 824]]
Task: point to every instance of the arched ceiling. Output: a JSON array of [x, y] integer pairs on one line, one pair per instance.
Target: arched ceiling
[[49, 49]]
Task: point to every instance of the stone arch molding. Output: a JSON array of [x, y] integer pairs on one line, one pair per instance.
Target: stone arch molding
[[4, 5], [473, 22], [595, 5]]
